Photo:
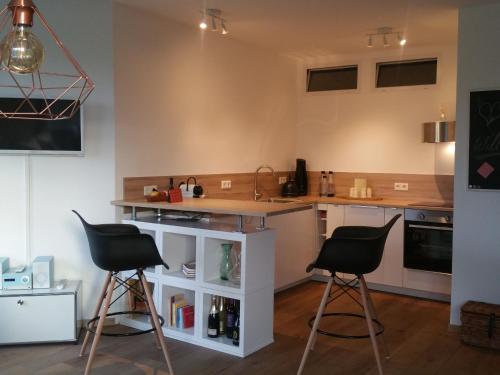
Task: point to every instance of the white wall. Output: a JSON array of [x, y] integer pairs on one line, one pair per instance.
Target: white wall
[[476, 241], [376, 130], [59, 184], [189, 102]]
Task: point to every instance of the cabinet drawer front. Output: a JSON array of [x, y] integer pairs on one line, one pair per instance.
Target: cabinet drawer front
[[37, 318]]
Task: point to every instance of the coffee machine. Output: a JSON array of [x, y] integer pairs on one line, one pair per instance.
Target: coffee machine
[[301, 176]]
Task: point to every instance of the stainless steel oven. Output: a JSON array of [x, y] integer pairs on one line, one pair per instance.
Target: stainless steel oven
[[428, 240]]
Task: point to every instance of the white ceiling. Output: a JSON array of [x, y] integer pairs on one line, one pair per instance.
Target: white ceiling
[[305, 28]]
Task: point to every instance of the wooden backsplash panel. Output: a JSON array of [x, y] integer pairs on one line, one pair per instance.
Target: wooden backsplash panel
[[242, 185], [420, 187]]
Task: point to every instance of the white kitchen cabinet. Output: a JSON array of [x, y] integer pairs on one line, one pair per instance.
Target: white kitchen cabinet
[[390, 271], [295, 246], [335, 218], [426, 281]]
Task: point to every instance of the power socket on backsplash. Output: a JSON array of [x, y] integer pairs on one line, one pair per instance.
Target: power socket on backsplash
[[401, 186], [282, 180]]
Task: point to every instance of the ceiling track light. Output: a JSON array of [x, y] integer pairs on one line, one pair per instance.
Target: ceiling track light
[[223, 27], [401, 40], [386, 43], [215, 17], [385, 33]]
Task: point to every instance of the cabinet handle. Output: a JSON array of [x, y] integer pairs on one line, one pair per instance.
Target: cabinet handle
[[20, 302], [358, 206]]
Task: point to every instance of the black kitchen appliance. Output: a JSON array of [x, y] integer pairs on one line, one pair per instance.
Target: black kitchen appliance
[[301, 177], [290, 188], [428, 240]]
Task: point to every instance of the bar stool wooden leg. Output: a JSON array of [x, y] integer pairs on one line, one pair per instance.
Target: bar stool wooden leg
[[100, 325], [156, 321], [314, 328], [148, 310], [374, 316], [369, 321], [96, 313]]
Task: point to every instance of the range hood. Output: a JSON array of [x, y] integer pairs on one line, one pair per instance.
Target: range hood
[[439, 131]]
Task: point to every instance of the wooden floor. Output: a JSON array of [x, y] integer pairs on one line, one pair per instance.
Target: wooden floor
[[416, 332]]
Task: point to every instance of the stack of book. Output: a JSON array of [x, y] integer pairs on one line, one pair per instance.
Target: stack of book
[[180, 313], [189, 270]]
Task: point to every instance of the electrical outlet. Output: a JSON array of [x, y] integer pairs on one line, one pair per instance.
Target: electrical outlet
[[225, 184], [402, 186], [148, 189], [282, 180]]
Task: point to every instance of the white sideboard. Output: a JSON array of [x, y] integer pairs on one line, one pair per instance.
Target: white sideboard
[[40, 315]]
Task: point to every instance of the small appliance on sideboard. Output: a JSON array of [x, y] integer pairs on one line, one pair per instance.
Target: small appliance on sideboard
[[428, 240], [17, 278], [4, 266], [43, 272]]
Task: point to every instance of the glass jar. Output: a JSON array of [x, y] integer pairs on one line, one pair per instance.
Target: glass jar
[[226, 264]]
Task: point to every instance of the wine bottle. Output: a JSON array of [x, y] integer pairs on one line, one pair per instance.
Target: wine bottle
[[222, 316], [236, 329], [171, 184], [213, 320], [230, 316]]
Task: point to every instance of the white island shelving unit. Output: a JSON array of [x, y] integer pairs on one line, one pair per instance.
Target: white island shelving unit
[[181, 242]]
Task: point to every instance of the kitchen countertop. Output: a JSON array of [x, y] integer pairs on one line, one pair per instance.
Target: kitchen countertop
[[385, 202], [221, 206]]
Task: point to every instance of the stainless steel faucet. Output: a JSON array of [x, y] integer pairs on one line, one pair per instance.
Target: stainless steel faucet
[[256, 194]]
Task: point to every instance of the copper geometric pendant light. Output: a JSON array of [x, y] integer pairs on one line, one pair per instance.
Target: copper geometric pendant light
[[41, 94]]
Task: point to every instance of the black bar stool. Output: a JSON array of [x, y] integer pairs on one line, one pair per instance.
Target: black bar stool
[[355, 250], [115, 248]]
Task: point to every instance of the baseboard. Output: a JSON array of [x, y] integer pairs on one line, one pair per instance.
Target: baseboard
[[291, 285]]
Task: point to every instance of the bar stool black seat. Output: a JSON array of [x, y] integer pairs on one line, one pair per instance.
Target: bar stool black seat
[[353, 250], [115, 248]]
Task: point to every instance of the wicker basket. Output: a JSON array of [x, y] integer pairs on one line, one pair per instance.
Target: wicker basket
[[481, 324]]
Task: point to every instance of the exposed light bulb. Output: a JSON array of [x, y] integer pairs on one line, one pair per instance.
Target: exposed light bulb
[[223, 27], [203, 25], [402, 40], [21, 51], [370, 41]]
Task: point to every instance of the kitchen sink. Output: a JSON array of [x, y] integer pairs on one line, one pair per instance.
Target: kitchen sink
[[283, 200]]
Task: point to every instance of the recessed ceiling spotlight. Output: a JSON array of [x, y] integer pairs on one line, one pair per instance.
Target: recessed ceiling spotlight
[[203, 24], [401, 40]]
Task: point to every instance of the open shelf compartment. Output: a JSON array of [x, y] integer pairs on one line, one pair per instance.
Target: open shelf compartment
[[212, 258], [222, 340], [177, 249], [171, 297]]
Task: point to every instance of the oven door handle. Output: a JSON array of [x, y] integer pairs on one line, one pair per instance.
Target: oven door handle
[[429, 227]]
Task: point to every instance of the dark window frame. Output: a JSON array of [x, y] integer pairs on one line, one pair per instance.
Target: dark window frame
[[434, 60], [332, 69]]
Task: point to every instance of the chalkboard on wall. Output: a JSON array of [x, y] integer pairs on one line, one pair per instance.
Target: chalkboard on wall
[[484, 140]]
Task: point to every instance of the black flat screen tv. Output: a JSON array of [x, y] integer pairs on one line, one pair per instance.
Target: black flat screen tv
[[56, 137]]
